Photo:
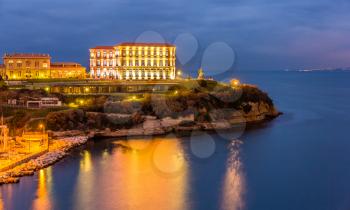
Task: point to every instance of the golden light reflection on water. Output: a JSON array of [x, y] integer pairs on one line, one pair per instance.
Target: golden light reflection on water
[[1, 202], [43, 199], [233, 185], [85, 184], [144, 174]]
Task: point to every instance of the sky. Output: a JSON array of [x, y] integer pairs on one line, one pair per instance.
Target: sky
[[220, 34]]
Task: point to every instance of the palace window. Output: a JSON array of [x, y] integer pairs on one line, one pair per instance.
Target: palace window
[[98, 54], [111, 54], [104, 54], [27, 63], [104, 63], [19, 65], [98, 63], [36, 64]]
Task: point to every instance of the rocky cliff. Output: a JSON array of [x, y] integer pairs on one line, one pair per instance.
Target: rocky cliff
[[178, 110]]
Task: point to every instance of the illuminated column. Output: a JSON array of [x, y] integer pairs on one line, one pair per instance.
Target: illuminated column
[[158, 76], [164, 74], [92, 73], [140, 74], [127, 74], [173, 73], [146, 74], [152, 76], [133, 74], [114, 74]]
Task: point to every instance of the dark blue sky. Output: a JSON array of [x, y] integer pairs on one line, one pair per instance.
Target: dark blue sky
[[264, 34]]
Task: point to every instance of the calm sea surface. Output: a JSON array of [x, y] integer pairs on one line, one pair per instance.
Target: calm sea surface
[[299, 161]]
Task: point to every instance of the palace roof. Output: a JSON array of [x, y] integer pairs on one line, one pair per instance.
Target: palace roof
[[26, 55], [148, 44], [64, 64], [103, 47]]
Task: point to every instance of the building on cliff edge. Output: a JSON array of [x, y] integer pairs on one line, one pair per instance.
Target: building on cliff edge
[[24, 66], [133, 61]]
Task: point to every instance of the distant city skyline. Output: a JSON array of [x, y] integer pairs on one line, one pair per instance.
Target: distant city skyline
[[265, 35]]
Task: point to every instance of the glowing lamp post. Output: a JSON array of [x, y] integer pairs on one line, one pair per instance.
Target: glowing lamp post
[[235, 83], [179, 73], [42, 127]]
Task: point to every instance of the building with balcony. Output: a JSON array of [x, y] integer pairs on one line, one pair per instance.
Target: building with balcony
[[133, 61], [24, 66]]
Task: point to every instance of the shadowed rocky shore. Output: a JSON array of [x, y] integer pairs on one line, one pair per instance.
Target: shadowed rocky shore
[[181, 110]]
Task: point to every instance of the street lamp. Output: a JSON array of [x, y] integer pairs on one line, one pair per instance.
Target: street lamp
[[42, 126], [178, 74], [235, 83]]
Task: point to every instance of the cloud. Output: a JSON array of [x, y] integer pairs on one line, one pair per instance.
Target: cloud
[[264, 33]]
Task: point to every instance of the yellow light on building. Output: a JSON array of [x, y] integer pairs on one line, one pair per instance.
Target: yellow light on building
[[72, 105]]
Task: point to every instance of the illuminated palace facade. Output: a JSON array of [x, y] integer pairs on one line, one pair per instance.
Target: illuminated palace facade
[[23, 66], [133, 61]]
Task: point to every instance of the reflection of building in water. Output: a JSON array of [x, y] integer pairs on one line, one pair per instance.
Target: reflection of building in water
[[1, 202], [43, 198], [122, 185], [233, 185]]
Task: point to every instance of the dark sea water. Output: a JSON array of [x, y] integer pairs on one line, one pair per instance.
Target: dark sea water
[[301, 160]]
